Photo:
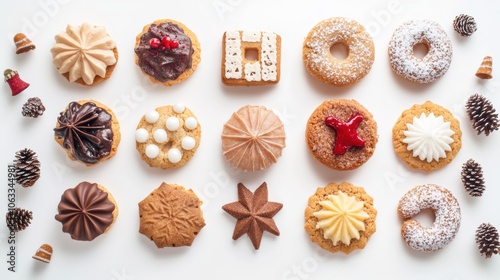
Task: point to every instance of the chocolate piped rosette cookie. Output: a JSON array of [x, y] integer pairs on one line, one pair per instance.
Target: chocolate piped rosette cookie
[[167, 52], [89, 132], [168, 136], [427, 136], [86, 211], [340, 217], [341, 134]]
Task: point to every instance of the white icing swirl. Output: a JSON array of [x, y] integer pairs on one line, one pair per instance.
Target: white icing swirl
[[429, 137], [84, 52]]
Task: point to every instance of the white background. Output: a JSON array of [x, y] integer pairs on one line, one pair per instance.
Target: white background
[[123, 253]]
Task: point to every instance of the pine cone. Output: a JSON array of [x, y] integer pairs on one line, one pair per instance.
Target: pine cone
[[482, 114], [472, 177], [487, 240], [465, 25], [27, 167], [18, 219], [33, 108]]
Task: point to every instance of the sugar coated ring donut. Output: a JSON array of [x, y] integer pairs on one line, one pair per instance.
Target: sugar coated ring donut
[[446, 210], [428, 68], [323, 66]]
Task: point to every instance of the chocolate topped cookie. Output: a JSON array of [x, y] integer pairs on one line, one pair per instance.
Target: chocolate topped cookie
[[167, 52], [88, 131], [86, 211]]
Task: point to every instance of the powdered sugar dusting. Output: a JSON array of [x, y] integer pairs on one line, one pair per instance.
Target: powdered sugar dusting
[[320, 61], [446, 225], [432, 66]]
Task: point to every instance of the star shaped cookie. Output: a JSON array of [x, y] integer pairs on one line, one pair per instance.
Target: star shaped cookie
[[254, 214]]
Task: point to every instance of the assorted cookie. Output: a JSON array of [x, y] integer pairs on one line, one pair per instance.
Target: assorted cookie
[[253, 138], [85, 54], [427, 136], [88, 131], [167, 52], [340, 217], [168, 136], [44, 253], [341, 134], [319, 60], [446, 210], [23, 43], [171, 216], [434, 64], [240, 69], [485, 69], [86, 211], [254, 213]]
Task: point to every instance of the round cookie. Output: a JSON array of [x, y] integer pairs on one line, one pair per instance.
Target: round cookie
[[168, 136], [100, 47], [434, 64], [91, 123], [167, 52], [427, 136], [87, 211], [446, 209], [324, 66], [352, 207], [355, 143], [171, 216]]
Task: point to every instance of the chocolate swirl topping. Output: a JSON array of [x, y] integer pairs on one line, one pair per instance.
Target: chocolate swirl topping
[[86, 130], [85, 211], [164, 64]]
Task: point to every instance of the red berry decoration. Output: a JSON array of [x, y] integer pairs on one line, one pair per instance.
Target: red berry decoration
[[154, 43], [16, 84], [346, 135], [169, 43]]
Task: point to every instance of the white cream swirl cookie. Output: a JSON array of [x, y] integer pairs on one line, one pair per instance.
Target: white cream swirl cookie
[[85, 54], [427, 136], [168, 136]]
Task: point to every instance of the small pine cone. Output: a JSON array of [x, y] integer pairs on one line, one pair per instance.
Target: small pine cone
[[482, 114], [487, 240], [465, 25], [472, 177], [18, 219], [33, 108], [27, 167]]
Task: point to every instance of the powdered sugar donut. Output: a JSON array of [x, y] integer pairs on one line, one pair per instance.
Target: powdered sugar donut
[[337, 72], [168, 136], [428, 68], [444, 228]]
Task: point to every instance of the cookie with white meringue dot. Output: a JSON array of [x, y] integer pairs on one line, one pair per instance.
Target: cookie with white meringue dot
[[168, 136]]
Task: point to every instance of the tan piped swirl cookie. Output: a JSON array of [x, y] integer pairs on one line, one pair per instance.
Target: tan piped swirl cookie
[[253, 138], [427, 136], [168, 136], [171, 216], [340, 217], [85, 54]]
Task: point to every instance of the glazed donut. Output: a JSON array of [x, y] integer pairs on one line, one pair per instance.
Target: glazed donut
[[446, 210], [434, 64], [330, 70]]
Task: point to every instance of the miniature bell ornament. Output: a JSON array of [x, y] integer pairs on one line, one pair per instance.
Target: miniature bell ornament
[[23, 44], [16, 84], [44, 253], [484, 71]]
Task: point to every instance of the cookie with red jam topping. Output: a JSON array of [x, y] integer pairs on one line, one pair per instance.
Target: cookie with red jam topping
[[89, 132], [341, 134], [167, 52]]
